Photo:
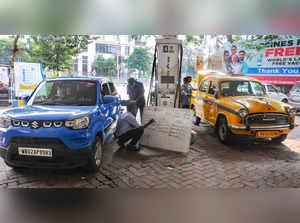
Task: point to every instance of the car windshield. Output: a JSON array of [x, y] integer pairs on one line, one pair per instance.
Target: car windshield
[[66, 92], [242, 88]]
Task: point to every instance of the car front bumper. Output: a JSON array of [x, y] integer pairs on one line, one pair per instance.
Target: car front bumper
[[62, 157], [252, 130]]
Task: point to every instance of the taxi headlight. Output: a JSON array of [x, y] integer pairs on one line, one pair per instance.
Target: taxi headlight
[[292, 111], [5, 121], [78, 123], [243, 112]]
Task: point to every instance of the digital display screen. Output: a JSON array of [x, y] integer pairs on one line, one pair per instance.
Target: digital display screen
[[167, 79]]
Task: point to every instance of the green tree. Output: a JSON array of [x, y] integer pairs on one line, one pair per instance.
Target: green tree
[[56, 52], [105, 67], [13, 47], [140, 60]]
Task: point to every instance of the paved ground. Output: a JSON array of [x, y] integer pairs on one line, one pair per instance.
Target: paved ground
[[209, 164]]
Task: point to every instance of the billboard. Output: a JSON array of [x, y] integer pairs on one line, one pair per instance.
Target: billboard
[[27, 77], [278, 62]]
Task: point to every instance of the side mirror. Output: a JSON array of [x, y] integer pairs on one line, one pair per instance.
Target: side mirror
[[25, 99]]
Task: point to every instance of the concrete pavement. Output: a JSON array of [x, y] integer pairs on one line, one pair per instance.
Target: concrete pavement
[[209, 164]]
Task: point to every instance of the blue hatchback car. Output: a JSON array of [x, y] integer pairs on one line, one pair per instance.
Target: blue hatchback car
[[64, 124]]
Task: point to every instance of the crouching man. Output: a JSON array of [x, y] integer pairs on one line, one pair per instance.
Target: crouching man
[[129, 129]]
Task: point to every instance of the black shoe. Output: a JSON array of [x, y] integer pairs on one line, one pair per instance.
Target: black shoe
[[122, 146], [132, 148]]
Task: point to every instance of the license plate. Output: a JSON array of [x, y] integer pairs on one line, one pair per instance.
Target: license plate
[[35, 152], [267, 134]]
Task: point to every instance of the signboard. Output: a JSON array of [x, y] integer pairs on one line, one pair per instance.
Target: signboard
[[4, 81], [171, 129], [279, 60], [4, 75], [27, 77]]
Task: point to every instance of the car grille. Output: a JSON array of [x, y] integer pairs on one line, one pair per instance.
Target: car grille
[[35, 124], [34, 141], [267, 118], [61, 153]]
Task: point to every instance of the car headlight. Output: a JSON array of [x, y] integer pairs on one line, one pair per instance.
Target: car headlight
[[5, 121], [292, 111], [78, 123], [243, 112]]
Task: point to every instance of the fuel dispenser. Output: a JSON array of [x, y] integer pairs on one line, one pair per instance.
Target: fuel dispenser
[[173, 125], [166, 73]]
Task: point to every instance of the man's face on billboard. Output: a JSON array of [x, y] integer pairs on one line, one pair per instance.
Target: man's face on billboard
[[226, 56], [242, 56], [233, 50], [235, 59]]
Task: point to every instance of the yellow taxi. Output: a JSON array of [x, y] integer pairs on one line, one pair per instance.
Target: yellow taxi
[[239, 105]]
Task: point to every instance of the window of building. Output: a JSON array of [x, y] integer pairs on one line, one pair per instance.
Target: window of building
[[108, 48], [127, 50], [75, 64], [84, 64]]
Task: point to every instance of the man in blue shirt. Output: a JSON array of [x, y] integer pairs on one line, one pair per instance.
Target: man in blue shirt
[[242, 62], [135, 91], [129, 129]]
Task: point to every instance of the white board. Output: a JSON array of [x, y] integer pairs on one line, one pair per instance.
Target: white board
[[171, 130], [27, 77], [4, 75]]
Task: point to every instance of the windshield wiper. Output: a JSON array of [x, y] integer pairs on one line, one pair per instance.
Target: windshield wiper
[[47, 103]]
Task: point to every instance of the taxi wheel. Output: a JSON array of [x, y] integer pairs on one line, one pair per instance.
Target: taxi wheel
[[223, 131], [95, 160], [279, 139]]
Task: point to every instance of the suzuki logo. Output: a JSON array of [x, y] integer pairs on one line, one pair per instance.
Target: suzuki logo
[[35, 124]]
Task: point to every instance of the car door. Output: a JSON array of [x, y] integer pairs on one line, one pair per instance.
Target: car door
[[201, 94], [210, 109], [110, 100]]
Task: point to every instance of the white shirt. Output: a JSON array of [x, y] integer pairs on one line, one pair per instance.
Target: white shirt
[[126, 122], [236, 68]]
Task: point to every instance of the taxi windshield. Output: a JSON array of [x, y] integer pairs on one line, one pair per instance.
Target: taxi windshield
[[242, 88], [66, 92]]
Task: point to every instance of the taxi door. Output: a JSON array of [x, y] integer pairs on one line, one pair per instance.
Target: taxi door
[[210, 108], [200, 99]]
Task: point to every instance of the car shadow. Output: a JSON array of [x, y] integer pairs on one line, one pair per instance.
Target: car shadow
[[241, 148]]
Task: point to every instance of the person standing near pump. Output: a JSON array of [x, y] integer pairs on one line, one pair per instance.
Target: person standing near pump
[[129, 129], [186, 92], [135, 91]]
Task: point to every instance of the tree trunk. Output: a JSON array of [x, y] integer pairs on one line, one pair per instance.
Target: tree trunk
[[12, 71]]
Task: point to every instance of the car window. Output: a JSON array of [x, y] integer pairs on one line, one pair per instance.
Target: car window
[[112, 88], [204, 86], [67, 93], [212, 88], [257, 88], [105, 89], [241, 88]]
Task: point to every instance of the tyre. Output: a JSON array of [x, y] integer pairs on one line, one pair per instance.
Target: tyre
[[95, 159], [223, 132], [197, 120], [279, 139], [285, 100]]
